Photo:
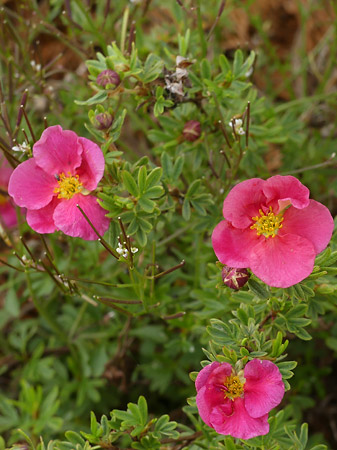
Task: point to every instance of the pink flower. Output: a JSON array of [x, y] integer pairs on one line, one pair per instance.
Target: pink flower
[[273, 228], [61, 174], [7, 210], [238, 404]]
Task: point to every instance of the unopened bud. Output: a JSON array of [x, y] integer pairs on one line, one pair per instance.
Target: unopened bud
[[108, 76], [234, 278], [192, 130], [103, 121]]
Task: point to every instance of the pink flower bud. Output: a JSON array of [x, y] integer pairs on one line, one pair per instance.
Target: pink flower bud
[[103, 121], [108, 76], [192, 130], [234, 278]]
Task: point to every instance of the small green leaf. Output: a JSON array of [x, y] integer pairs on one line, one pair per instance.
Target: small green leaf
[[186, 211], [100, 97], [142, 176], [153, 177], [146, 204], [130, 184]]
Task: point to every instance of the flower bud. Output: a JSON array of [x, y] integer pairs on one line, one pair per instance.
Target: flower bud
[[234, 278], [103, 121], [108, 76], [192, 130]]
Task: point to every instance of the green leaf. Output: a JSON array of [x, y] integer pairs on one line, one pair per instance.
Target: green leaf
[[193, 188], [258, 289], [130, 184], [74, 438], [100, 97], [142, 176], [186, 211], [224, 64], [146, 204], [166, 162], [238, 61], [117, 125], [142, 405], [154, 192], [205, 69], [178, 167], [141, 237], [154, 177], [153, 67]]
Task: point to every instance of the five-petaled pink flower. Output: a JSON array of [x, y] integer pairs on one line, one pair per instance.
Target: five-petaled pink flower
[[273, 228], [237, 404], [7, 210], [61, 174]]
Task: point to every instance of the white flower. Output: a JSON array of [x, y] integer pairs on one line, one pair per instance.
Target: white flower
[[237, 126], [24, 148], [36, 67], [123, 251]]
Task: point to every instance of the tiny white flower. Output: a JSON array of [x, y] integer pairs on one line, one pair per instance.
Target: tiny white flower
[[24, 147], [134, 250], [35, 66], [237, 126]]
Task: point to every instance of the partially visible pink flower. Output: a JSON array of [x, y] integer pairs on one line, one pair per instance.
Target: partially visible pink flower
[[7, 210], [273, 228], [64, 169], [238, 404]]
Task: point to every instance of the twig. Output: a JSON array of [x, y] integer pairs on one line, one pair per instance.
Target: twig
[[116, 300], [100, 238], [329, 162], [247, 126], [222, 7], [161, 274], [28, 123]]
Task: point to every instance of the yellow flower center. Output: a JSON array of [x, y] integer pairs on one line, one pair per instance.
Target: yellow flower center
[[233, 386], [267, 224], [69, 185], [3, 200]]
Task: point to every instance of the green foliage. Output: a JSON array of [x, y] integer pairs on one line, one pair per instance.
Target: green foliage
[[84, 328]]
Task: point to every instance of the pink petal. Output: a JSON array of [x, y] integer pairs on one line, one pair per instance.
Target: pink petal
[[243, 202], [204, 374], [264, 388], [8, 214], [233, 246], [30, 186], [207, 398], [41, 220], [314, 223], [282, 261], [69, 219], [92, 167], [210, 386], [58, 151], [282, 191], [5, 172], [239, 424]]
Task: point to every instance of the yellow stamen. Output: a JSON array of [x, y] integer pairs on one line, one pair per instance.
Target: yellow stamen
[[233, 386], [69, 185], [267, 224], [3, 200]]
